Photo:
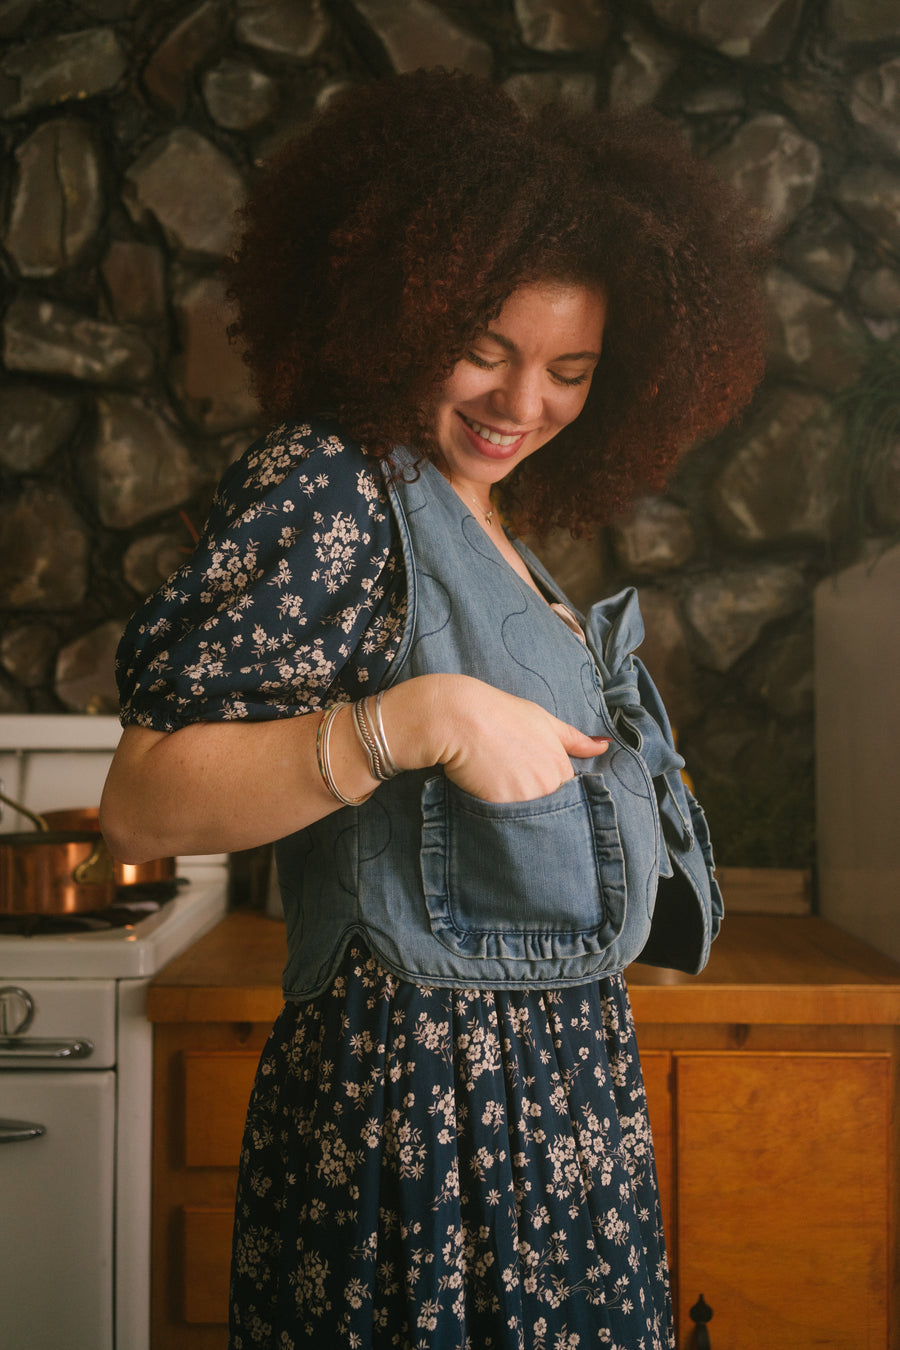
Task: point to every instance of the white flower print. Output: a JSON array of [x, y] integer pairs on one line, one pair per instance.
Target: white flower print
[[417, 1215], [284, 537]]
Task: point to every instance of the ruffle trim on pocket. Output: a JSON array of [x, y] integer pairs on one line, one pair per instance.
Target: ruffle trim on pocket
[[524, 881]]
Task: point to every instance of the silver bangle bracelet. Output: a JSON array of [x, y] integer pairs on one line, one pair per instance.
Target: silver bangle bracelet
[[323, 758], [390, 766], [366, 738], [372, 740]]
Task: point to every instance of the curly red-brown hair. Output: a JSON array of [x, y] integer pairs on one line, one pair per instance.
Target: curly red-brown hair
[[383, 240]]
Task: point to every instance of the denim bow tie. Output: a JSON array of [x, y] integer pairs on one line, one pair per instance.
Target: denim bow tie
[[614, 629]]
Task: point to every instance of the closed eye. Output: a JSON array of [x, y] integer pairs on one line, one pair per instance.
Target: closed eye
[[480, 362], [570, 380]]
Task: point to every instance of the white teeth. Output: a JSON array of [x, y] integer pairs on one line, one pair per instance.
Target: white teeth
[[494, 437]]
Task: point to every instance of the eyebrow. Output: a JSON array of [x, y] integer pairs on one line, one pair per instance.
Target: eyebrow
[[508, 345]]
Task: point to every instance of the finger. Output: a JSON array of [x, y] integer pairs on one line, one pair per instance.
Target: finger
[[580, 745]]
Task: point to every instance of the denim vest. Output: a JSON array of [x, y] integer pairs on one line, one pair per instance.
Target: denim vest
[[447, 889]]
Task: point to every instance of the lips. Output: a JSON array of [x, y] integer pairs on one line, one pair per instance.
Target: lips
[[488, 441]]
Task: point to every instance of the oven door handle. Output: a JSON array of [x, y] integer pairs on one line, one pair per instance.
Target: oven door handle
[[13, 1048], [18, 1131]]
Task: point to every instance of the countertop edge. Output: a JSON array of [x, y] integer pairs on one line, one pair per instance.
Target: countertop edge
[[234, 974]]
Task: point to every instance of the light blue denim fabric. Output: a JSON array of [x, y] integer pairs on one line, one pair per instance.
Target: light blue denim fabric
[[450, 890]]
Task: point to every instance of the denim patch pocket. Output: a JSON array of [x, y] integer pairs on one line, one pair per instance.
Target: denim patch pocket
[[523, 880]]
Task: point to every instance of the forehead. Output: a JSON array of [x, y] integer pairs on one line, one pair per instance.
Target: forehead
[[548, 313]]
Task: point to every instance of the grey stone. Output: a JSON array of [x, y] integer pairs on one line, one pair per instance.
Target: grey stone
[[293, 28], [46, 338], [863, 20], [871, 196], [577, 565], [109, 10], [821, 251], [191, 188], [657, 536], [882, 330], [879, 291], [138, 465], [666, 652], [729, 611], [875, 104], [57, 199], [45, 546], [34, 424], [756, 30], [85, 670], [639, 76], [815, 107], [564, 25], [57, 69], [884, 490], [810, 335], [329, 91], [720, 744], [714, 100], [27, 652], [774, 166], [786, 681], [290, 124], [531, 89], [169, 73], [239, 95], [149, 561], [417, 33], [208, 374], [231, 447], [135, 277], [14, 14], [785, 480]]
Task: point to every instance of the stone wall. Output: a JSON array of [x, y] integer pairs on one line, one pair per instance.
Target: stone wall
[[131, 128]]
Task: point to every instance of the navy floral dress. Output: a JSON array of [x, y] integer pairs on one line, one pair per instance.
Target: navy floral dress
[[422, 1169]]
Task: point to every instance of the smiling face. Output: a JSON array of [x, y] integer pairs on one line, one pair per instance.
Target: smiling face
[[524, 379]]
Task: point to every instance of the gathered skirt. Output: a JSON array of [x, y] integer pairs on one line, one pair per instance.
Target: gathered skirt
[[449, 1169]]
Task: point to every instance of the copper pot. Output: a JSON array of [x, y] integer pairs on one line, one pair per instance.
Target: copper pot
[[88, 818], [55, 872]]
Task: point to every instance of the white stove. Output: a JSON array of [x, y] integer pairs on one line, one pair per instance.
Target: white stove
[[76, 1063]]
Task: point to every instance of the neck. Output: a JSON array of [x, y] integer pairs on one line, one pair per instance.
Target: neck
[[481, 501]]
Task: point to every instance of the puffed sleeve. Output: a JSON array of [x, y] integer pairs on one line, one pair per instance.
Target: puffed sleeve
[[294, 596]]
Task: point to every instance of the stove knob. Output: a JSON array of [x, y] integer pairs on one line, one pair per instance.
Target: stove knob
[[16, 1010]]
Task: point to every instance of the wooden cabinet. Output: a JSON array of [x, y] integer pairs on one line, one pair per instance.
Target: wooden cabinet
[[772, 1083], [777, 1175], [212, 1008], [775, 1141]]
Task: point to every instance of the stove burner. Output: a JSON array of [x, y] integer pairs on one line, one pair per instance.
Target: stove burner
[[132, 904]]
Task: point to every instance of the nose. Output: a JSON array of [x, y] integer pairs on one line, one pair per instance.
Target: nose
[[519, 396]]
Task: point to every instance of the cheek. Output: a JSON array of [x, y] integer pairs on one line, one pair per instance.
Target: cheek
[[568, 408], [465, 384]]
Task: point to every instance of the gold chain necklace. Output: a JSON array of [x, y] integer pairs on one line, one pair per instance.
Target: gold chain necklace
[[488, 515]]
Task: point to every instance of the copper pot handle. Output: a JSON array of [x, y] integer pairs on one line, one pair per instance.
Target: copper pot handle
[[35, 819], [98, 867]]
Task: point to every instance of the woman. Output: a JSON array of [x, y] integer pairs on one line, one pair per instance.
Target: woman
[[451, 311]]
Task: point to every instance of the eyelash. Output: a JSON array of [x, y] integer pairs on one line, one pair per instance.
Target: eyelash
[[568, 382]]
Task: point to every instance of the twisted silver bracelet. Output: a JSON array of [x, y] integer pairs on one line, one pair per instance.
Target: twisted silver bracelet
[[391, 769], [372, 739]]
